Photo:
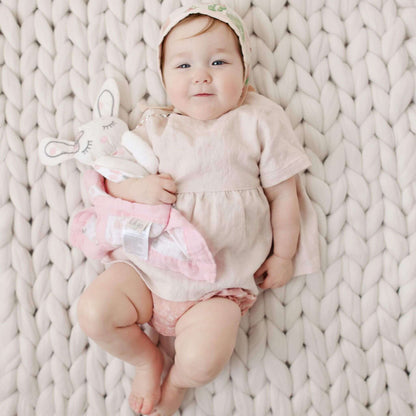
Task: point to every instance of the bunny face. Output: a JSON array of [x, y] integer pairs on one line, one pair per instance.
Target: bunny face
[[99, 137]]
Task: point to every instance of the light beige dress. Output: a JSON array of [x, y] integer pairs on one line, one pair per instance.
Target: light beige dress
[[220, 168]]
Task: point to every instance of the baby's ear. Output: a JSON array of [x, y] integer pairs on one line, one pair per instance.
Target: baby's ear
[[54, 151], [108, 100]]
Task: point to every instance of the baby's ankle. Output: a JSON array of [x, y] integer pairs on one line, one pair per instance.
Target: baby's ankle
[[152, 357]]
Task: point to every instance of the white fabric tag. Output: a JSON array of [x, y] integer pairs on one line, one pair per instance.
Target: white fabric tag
[[136, 238]]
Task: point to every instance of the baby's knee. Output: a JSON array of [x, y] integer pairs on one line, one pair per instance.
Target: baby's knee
[[92, 316], [201, 367]]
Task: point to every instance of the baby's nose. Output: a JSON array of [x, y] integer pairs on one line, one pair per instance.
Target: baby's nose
[[202, 75]]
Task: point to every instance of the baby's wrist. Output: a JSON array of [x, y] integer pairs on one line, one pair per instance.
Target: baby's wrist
[[286, 258]]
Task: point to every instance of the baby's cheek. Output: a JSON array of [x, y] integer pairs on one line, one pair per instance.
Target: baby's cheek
[[176, 93], [175, 86], [233, 91]]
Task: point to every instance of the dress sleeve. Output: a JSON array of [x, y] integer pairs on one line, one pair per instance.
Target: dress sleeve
[[282, 155]]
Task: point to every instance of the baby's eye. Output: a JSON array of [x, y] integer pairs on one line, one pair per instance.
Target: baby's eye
[[183, 66], [218, 62]]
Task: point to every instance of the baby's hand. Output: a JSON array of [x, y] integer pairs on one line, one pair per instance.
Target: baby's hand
[[158, 189], [152, 189], [278, 272]]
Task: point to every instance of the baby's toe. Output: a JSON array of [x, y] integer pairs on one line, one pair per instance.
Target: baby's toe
[[147, 406], [136, 403]]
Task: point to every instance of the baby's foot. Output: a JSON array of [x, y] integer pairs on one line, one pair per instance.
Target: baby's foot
[[145, 389], [171, 399]]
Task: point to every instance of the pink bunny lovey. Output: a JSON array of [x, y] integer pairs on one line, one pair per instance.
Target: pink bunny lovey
[[157, 234]]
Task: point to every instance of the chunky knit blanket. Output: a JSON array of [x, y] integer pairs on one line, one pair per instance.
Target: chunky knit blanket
[[341, 342]]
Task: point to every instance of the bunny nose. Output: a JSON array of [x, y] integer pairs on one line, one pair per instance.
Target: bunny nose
[[104, 139]]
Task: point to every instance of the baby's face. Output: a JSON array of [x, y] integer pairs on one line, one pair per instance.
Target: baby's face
[[203, 74]]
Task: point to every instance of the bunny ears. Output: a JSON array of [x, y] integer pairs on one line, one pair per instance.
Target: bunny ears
[[107, 102], [54, 151]]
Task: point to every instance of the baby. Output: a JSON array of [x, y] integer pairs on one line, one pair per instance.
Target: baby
[[233, 161]]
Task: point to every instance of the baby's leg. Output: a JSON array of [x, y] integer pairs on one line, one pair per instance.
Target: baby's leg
[[205, 340], [109, 312]]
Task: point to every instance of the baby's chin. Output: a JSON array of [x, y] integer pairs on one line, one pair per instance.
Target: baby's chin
[[206, 114]]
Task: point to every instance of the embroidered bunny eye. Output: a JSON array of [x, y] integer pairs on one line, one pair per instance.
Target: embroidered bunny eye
[[87, 147], [108, 126]]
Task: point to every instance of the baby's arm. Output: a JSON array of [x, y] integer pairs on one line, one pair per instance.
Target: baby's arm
[[284, 207], [152, 189]]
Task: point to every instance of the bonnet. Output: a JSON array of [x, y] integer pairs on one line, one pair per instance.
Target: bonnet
[[217, 11]]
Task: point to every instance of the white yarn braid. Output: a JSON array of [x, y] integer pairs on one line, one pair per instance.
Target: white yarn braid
[[340, 342]]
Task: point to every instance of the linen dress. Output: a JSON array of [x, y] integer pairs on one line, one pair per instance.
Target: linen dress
[[220, 168]]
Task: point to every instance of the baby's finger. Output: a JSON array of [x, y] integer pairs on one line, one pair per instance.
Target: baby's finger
[[169, 185], [266, 284], [167, 198], [164, 176], [260, 271], [272, 282]]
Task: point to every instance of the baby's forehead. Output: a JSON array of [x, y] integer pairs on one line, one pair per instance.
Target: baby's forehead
[[185, 31]]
